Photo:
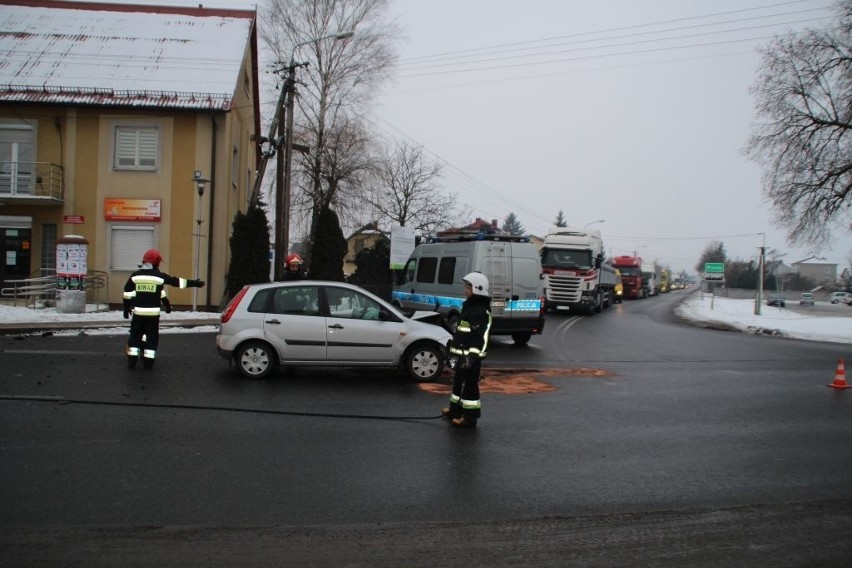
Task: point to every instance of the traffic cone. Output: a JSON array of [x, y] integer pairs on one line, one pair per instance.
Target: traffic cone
[[840, 376]]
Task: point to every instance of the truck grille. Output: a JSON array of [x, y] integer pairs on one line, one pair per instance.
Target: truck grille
[[563, 288]]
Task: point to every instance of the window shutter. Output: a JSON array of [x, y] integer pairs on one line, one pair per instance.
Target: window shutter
[[125, 141], [128, 245], [148, 147]]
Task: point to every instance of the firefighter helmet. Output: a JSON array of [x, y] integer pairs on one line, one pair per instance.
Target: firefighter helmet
[[152, 257], [294, 258], [478, 282]]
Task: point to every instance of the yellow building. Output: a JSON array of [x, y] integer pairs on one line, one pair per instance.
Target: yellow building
[[112, 117]]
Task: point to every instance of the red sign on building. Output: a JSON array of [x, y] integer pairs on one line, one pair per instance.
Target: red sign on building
[[73, 219]]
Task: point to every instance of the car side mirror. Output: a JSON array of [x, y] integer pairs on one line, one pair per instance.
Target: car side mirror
[[384, 315]]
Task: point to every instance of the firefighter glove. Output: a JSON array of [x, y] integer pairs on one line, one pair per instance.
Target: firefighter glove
[[126, 313], [195, 283], [167, 307]]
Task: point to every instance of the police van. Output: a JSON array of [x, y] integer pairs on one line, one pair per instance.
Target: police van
[[432, 280]]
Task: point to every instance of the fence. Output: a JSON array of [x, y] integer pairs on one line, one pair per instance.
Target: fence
[[39, 290]]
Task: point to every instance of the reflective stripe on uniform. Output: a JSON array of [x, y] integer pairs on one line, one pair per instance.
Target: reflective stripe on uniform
[[471, 404], [147, 312], [454, 399], [130, 295], [133, 352], [182, 282], [149, 354]]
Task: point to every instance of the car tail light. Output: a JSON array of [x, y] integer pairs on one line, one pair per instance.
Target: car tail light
[[541, 308], [232, 305]]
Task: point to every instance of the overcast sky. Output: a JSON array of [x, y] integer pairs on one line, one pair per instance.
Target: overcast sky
[[634, 112]]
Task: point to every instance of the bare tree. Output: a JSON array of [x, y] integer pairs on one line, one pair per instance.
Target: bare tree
[[405, 191], [804, 97], [340, 78]]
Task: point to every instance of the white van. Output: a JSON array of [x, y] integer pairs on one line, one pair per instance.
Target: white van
[[432, 280]]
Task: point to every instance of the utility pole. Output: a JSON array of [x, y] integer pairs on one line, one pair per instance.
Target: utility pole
[[759, 301], [286, 169]]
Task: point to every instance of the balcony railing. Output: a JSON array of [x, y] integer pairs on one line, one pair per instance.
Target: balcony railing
[[31, 181]]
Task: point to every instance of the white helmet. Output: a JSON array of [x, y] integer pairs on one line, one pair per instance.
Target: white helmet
[[478, 282]]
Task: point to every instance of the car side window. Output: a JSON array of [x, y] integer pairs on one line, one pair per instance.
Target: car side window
[[260, 302], [349, 304], [295, 300]]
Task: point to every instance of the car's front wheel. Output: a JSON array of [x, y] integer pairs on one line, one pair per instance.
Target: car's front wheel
[[424, 361], [255, 359]]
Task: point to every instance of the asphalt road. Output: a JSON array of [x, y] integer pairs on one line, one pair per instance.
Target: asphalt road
[[638, 440]]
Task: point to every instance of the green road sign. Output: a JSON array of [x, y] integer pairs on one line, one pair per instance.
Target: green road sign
[[714, 267]]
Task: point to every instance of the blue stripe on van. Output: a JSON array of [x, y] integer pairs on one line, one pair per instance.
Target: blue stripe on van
[[450, 302]]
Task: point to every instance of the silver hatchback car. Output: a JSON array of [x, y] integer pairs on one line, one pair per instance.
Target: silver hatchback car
[[318, 323]]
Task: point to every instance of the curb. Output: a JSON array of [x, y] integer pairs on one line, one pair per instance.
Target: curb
[[40, 327]]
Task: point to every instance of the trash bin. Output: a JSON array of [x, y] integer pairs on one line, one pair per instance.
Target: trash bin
[[71, 267]]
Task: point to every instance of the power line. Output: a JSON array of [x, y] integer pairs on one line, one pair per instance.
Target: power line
[[608, 30]]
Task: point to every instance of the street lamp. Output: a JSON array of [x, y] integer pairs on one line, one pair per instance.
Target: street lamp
[[593, 222], [200, 184], [283, 183]]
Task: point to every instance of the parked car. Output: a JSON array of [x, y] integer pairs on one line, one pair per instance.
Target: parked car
[[806, 299], [840, 298], [316, 323], [776, 300]]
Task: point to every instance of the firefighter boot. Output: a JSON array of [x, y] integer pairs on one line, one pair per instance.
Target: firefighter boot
[[463, 422], [131, 362], [148, 363]]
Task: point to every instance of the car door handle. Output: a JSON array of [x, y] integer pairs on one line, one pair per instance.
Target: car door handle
[[335, 326], [275, 321]]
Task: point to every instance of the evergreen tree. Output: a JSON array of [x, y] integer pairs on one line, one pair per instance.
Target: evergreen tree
[[714, 252], [328, 248], [512, 226], [249, 249], [560, 220], [373, 271]]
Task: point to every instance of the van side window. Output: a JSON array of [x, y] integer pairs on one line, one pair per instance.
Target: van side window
[[426, 269], [447, 270]]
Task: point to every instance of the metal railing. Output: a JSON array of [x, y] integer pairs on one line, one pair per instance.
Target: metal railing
[[41, 180], [39, 290]]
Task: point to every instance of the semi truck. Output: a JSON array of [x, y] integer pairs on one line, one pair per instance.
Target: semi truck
[[665, 281], [650, 278], [574, 274], [631, 275]]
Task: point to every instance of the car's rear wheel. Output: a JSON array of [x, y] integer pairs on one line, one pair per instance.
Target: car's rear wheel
[[424, 361], [256, 359]]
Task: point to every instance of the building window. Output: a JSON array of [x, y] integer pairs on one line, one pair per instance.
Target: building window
[[136, 148], [127, 245], [235, 168], [17, 159], [48, 246]]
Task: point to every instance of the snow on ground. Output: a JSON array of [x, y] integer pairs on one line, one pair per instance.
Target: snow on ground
[[737, 314], [113, 320]]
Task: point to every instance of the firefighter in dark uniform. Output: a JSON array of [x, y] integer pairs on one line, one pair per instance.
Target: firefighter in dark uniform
[[468, 347], [293, 267], [144, 293]]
